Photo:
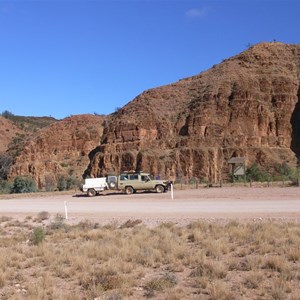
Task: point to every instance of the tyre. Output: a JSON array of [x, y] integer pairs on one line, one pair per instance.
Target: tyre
[[159, 189], [112, 185], [129, 190], [91, 192]]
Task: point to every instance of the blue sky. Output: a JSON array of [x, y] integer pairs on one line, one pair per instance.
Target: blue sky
[[61, 58]]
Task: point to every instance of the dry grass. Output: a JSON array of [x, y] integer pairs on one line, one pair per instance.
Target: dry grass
[[254, 260]]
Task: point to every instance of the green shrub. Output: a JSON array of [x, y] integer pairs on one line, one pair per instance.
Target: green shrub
[[66, 183], [70, 183], [285, 172], [24, 185], [256, 173], [58, 222], [5, 187], [295, 176], [38, 235], [61, 183]]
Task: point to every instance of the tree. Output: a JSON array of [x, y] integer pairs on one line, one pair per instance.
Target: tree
[[5, 164], [66, 183], [24, 185], [61, 183], [7, 114], [5, 187]]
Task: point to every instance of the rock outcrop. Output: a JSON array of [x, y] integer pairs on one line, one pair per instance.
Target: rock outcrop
[[8, 131], [246, 106], [59, 151]]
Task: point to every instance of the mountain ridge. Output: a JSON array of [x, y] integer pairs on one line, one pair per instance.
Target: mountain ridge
[[245, 102], [248, 106]]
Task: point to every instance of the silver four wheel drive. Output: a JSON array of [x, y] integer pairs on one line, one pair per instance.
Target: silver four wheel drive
[[132, 182]]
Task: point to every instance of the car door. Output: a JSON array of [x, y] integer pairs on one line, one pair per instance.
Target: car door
[[146, 182]]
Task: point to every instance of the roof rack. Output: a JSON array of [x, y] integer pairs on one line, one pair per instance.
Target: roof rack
[[132, 172]]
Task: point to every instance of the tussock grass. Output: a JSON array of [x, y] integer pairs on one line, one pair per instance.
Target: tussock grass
[[42, 216], [219, 290], [168, 280], [259, 260], [253, 280], [5, 219]]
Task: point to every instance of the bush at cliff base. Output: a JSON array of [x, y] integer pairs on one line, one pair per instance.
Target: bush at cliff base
[[23, 185], [5, 187]]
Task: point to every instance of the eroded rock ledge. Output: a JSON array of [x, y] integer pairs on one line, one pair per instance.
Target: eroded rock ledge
[[245, 106]]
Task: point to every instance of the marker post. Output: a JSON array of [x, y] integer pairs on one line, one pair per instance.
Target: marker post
[[66, 211]]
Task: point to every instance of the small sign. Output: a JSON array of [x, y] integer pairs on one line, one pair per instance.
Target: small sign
[[239, 171]]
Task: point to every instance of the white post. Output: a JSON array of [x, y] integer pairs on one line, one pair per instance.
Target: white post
[[172, 191], [66, 210]]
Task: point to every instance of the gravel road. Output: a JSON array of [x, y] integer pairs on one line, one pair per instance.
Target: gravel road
[[152, 208]]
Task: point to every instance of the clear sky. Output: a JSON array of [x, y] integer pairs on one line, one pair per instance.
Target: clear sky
[[67, 57]]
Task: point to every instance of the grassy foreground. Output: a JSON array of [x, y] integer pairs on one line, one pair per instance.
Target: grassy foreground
[[42, 258]]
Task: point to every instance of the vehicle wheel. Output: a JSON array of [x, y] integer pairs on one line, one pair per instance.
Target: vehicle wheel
[[112, 185], [159, 189], [91, 192], [129, 190]]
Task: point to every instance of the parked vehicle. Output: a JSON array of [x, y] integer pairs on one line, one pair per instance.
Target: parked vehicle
[[126, 182], [93, 186], [132, 182]]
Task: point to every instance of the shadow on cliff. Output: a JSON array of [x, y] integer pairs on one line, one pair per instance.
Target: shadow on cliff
[[295, 122], [91, 155]]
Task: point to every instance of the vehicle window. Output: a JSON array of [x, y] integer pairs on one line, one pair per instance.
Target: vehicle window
[[134, 177], [145, 177], [123, 177], [112, 179]]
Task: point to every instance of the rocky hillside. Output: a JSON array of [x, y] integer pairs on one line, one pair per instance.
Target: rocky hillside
[[8, 131], [15, 131], [59, 151], [245, 106]]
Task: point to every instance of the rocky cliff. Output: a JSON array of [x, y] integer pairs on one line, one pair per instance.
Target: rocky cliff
[[59, 151], [8, 131], [246, 106]]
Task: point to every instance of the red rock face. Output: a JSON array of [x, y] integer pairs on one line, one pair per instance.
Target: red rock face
[[246, 106], [7, 132], [60, 149]]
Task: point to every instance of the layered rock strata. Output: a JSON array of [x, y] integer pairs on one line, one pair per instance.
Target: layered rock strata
[[246, 106], [59, 151], [8, 132]]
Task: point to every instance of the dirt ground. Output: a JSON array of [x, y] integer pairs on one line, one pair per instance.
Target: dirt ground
[[240, 203], [172, 257]]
